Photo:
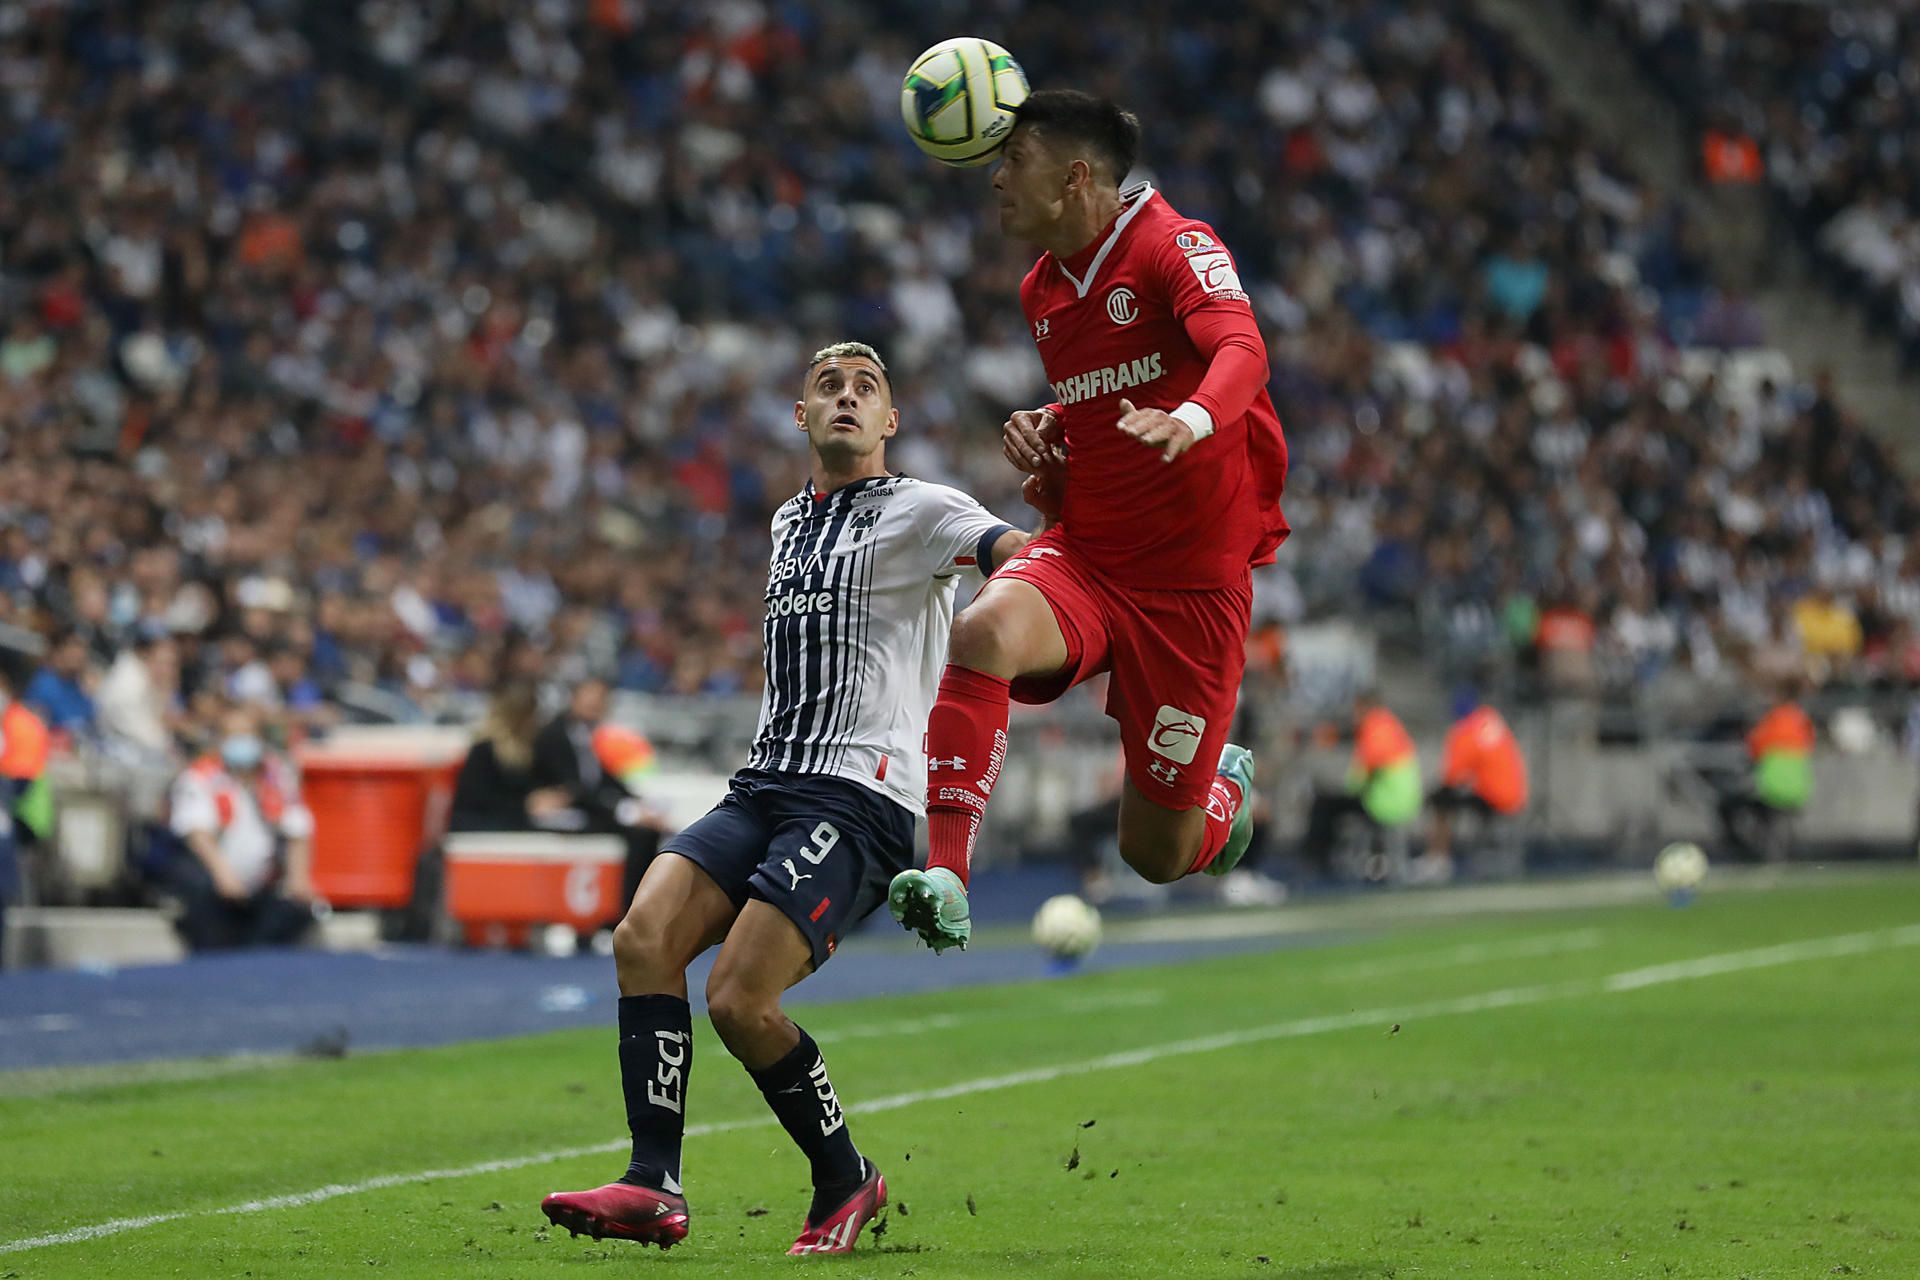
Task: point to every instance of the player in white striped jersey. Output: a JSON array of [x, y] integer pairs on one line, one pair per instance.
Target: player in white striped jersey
[[860, 594]]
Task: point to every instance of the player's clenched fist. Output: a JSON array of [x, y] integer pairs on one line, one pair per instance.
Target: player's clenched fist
[[1032, 439], [1157, 429]]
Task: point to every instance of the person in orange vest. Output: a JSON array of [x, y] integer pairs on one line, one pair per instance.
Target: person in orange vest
[[1482, 771], [1383, 782], [1781, 748], [1729, 156], [246, 881], [25, 804]]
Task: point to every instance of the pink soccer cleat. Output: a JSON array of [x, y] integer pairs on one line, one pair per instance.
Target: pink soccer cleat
[[620, 1211], [837, 1232]]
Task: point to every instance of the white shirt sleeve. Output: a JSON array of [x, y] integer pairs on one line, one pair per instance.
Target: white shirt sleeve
[[296, 822], [959, 532], [194, 808]]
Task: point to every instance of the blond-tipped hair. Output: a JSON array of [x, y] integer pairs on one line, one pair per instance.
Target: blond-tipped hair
[[841, 350]]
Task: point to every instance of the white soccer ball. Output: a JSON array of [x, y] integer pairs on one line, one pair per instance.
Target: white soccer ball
[[1067, 926], [958, 100], [1680, 866]]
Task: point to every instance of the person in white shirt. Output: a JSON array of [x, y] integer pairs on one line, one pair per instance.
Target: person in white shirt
[[134, 704], [246, 879]]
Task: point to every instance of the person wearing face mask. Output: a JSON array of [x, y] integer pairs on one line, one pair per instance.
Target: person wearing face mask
[[245, 880]]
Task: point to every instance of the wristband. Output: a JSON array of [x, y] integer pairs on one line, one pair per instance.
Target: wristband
[[1198, 420]]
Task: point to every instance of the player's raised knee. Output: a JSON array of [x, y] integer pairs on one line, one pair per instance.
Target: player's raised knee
[[1156, 860], [988, 636]]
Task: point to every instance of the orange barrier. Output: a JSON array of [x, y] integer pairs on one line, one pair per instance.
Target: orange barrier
[[378, 798], [532, 877]]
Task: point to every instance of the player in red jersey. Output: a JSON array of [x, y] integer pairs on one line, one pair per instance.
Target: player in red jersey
[[1166, 459]]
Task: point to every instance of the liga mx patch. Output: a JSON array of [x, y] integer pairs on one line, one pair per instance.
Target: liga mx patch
[[1176, 734]]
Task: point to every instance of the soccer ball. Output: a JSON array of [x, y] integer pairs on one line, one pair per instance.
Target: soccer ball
[[958, 100], [1066, 926], [1680, 867]]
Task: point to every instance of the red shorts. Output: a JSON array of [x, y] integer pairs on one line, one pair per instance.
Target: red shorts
[[1176, 659]]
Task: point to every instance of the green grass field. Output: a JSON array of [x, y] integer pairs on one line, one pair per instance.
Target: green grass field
[[1728, 1091]]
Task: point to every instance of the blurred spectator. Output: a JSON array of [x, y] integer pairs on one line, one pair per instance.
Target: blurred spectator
[[1565, 642], [497, 788], [23, 760], [138, 700], [1781, 748], [1383, 782], [1729, 156], [564, 756], [602, 769], [1829, 630], [245, 878], [1482, 774], [62, 690], [1828, 91]]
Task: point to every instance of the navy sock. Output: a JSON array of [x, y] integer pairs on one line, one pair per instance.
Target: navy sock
[[656, 1059], [802, 1097]]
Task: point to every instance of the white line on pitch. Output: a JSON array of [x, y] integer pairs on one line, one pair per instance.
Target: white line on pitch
[[1546, 944], [1506, 998]]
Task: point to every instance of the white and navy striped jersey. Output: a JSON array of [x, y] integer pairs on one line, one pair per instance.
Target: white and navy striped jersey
[[859, 601]]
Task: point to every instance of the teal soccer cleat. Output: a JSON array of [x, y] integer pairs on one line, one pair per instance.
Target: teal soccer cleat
[[933, 904], [1236, 766]]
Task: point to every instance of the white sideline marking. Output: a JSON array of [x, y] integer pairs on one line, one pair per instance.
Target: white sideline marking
[[1114, 1000], [1845, 944], [902, 1027], [1546, 944]]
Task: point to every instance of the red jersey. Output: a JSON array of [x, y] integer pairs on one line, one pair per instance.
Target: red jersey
[[1118, 320]]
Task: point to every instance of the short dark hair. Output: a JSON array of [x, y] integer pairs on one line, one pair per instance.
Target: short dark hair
[[1069, 115]]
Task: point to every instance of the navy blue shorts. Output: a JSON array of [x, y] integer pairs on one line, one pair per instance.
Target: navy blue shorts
[[821, 849]]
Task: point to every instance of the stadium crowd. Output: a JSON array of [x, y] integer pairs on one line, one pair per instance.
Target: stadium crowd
[[315, 397], [1826, 95]]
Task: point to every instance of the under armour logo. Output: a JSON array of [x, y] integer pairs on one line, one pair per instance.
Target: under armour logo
[[1164, 772], [958, 762], [795, 873], [1040, 330]]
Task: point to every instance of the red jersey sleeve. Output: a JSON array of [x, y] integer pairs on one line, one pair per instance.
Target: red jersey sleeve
[[1197, 271], [1203, 287]]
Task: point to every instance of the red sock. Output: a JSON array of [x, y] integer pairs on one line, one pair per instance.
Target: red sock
[[966, 743], [1223, 803]]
